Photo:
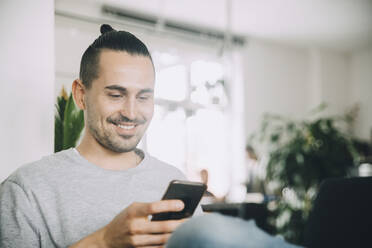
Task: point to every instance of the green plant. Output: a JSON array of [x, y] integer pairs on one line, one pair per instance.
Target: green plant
[[68, 122], [301, 154]]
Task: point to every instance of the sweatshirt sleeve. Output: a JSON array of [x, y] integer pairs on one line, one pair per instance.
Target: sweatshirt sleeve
[[18, 225]]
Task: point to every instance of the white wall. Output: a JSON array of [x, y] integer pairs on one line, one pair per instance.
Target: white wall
[[361, 90], [71, 40], [291, 81], [276, 81], [27, 81], [334, 81]]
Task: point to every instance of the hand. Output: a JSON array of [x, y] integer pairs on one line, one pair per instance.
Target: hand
[[132, 227]]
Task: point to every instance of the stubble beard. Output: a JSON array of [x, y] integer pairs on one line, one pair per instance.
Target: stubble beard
[[111, 140]]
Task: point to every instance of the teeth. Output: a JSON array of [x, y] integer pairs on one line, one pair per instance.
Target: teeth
[[126, 127]]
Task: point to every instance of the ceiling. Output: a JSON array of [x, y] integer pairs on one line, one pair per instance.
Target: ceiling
[[344, 25]]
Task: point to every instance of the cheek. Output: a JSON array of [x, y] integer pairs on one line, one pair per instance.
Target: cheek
[[107, 108], [148, 111]]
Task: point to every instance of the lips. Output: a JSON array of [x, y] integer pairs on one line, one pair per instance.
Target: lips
[[124, 126], [126, 129]]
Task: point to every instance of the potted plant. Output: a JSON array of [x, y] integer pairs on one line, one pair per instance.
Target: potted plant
[[301, 154]]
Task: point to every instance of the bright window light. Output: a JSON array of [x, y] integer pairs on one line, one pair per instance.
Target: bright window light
[[171, 83], [164, 59], [205, 71], [190, 128], [207, 141], [166, 137]]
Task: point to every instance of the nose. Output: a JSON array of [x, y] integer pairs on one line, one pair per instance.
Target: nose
[[129, 109]]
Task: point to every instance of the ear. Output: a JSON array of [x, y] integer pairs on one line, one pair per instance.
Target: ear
[[78, 92]]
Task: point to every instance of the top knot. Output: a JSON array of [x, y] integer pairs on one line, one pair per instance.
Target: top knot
[[105, 28]]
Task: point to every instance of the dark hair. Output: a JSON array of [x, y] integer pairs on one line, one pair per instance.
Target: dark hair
[[113, 40]]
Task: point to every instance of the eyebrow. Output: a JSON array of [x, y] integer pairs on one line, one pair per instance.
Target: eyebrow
[[144, 91], [124, 90]]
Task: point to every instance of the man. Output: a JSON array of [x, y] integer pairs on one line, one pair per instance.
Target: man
[[102, 193], [89, 196]]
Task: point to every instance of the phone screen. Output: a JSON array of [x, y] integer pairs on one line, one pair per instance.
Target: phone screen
[[189, 192]]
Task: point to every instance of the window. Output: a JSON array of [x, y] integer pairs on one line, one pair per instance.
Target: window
[[190, 121]]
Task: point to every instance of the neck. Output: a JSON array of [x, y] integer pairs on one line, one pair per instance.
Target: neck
[[95, 153]]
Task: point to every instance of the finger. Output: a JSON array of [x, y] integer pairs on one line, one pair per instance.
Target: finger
[[145, 209], [149, 239], [166, 206], [144, 226], [152, 246], [167, 226]]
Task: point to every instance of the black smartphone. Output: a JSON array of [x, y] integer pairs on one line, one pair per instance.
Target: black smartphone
[[189, 192]]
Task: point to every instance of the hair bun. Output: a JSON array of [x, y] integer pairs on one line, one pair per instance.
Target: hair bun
[[105, 28]]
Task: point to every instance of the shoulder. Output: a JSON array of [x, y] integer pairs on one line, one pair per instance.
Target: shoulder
[[37, 171]]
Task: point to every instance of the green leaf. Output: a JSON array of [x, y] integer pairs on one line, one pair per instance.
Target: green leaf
[[73, 124], [68, 125]]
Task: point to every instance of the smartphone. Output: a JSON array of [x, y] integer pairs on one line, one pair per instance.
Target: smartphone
[[189, 192]]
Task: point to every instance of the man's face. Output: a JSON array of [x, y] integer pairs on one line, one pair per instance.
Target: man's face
[[120, 102]]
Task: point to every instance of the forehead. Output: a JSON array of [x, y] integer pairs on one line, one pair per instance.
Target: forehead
[[122, 68]]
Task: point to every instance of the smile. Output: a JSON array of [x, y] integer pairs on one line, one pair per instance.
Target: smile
[[126, 127]]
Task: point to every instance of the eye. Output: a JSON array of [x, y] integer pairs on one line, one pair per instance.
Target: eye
[[144, 97], [114, 95]]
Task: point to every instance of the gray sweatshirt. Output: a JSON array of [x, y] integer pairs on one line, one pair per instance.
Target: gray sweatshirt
[[58, 200]]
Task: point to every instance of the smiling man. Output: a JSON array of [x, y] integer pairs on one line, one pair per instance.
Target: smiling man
[[102, 193], [119, 106]]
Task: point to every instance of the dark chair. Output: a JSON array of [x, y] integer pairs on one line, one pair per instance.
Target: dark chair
[[341, 215]]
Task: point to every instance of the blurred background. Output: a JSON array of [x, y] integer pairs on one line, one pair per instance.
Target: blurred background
[[221, 66]]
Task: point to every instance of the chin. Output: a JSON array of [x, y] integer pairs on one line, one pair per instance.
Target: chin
[[122, 148]]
